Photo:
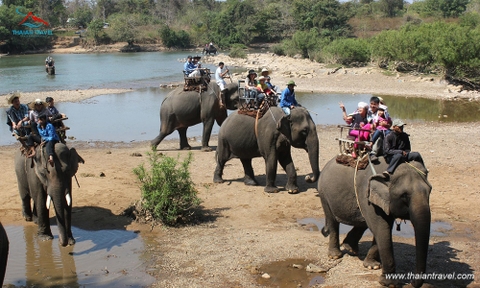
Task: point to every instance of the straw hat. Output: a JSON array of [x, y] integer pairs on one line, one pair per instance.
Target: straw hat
[[37, 101], [12, 97]]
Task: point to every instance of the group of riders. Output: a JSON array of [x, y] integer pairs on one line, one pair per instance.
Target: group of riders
[[370, 123], [260, 88], [38, 123]]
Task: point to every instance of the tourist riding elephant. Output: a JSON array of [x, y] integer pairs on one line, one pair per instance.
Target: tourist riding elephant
[[272, 139], [375, 202], [182, 109], [3, 253], [38, 180]]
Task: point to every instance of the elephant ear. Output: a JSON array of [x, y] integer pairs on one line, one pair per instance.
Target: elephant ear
[[73, 162], [379, 192], [283, 125], [40, 170]]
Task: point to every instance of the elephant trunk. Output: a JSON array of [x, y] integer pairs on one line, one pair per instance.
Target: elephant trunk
[[421, 217], [59, 202], [313, 156]]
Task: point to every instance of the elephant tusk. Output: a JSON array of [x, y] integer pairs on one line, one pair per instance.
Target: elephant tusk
[[49, 200], [68, 198]]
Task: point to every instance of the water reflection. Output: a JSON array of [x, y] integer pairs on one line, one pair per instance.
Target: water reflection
[[105, 258]]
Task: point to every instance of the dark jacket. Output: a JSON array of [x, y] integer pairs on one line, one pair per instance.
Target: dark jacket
[[396, 143]]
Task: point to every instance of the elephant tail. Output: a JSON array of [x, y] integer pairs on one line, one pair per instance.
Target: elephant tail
[[325, 231]]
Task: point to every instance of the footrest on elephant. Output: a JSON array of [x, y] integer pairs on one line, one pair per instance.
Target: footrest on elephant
[[350, 161]]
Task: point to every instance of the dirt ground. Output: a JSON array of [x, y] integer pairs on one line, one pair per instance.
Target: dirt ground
[[243, 232]]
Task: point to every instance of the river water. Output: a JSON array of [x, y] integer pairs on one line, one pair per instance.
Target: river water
[[116, 117]]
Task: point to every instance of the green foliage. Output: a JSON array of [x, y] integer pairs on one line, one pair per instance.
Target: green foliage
[[95, 28], [303, 43], [126, 27], [170, 38], [347, 52], [237, 51], [168, 193]]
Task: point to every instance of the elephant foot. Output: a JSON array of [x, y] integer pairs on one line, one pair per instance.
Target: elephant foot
[[390, 283], [218, 179], [351, 248], [71, 241], [206, 149], [45, 237], [371, 264], [249, 181], [186, 147], [293, 190], [28, 218], [271, 189], [334, 253]]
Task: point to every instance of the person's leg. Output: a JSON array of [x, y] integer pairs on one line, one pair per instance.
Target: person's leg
[[396, 160], [415, 156], [286, 110]]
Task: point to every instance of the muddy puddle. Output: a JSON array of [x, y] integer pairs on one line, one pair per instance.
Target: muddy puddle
[[288, 273], [437, 228], [105, 258]]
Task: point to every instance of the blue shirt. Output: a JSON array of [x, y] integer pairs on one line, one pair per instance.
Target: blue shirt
[[189, 67], [49, 133], [287, 99]]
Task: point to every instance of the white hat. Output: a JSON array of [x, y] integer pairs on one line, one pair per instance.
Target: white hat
[[265, 70], [261, 78], [382, 107], [362, 105]]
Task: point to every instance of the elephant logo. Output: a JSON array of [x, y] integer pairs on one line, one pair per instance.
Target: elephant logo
[[31, 21]]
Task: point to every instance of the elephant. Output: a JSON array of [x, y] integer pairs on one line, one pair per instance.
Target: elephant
[[182, 109], [42, 182], [209, 50], [3, 253], [380, 200], [272, 139]]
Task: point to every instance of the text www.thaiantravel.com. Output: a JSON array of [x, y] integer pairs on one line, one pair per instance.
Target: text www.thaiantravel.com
[[430, 276]]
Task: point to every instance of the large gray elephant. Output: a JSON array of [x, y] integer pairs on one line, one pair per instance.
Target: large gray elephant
[[381, 199], [272, 139], [182, 109], [37, 178], [3, 253]]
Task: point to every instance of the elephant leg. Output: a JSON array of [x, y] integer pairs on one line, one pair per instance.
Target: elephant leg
[[271, 173], [331, 229], [350, 243], [40, 198], [166, 128], [286, 162], [222, 156], [249, 178], [207, 131], [382, 231], [26, 200], [68, 215], [182, 133], [372, 260], [3, 253]]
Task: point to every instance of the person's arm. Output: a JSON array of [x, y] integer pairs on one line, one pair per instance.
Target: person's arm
[[388, 145]]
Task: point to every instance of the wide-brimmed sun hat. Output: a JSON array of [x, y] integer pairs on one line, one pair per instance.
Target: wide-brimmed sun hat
[[12, 97], [265, 70], [37, 101], [382, 107], [291, 82], [251, 72], [261, 78]]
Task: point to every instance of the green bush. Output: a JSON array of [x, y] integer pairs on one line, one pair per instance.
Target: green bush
[[347, 52], [170, 38], [237, 52], [168, 193]]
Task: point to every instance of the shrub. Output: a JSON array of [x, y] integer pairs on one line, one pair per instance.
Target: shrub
[[170, 38], [347, 52], [238, 52], [168, 193]]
